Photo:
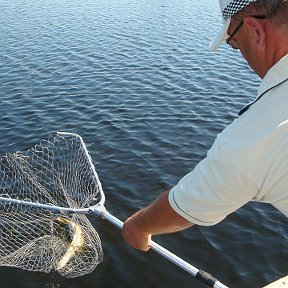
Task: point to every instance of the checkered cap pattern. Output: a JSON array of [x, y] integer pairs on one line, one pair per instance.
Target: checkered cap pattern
[[234, 7]]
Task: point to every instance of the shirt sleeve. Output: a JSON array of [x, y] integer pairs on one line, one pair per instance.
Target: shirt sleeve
[[213, 190]]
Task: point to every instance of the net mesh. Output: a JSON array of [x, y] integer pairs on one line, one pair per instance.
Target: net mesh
[[55, 172]]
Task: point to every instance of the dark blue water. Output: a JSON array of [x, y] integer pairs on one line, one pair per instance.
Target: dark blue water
[[136, 80]]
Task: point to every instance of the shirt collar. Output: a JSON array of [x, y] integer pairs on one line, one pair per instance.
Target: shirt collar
[[274, 77]]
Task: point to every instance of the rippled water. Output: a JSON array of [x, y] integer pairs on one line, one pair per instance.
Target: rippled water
[[136, 80]]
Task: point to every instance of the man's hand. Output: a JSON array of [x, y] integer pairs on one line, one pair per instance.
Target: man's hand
[[158, 218], [134, 234]]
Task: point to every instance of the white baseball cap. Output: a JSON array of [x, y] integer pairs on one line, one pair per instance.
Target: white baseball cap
[[228, 9]]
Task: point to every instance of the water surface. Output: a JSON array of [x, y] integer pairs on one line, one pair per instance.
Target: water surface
[[136, 80]]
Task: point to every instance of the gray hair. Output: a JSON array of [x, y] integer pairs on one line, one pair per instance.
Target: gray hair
[[276, 10]]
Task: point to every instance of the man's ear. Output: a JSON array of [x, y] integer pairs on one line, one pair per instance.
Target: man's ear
[[257, 29]]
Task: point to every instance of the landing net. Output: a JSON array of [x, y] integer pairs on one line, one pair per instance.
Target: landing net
[[55, 172]]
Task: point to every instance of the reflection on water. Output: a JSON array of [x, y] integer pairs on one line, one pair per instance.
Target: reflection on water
[[136, 81]]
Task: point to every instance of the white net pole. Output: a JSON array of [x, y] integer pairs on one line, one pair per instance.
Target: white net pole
[[202, 276]]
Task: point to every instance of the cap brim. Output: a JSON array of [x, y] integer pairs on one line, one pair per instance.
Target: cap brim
[[221, 36]]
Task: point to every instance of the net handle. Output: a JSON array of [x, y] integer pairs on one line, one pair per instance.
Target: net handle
[[202, 276]]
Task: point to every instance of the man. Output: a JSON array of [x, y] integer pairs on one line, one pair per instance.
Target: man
[[249, 159]]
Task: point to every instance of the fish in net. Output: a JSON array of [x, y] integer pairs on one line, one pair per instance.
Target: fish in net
[[55, 172]]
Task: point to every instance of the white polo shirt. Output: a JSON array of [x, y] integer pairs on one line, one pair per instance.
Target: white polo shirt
[[248, 160]]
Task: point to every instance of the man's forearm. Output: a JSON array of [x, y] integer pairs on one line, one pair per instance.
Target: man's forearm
[[157, 218]]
